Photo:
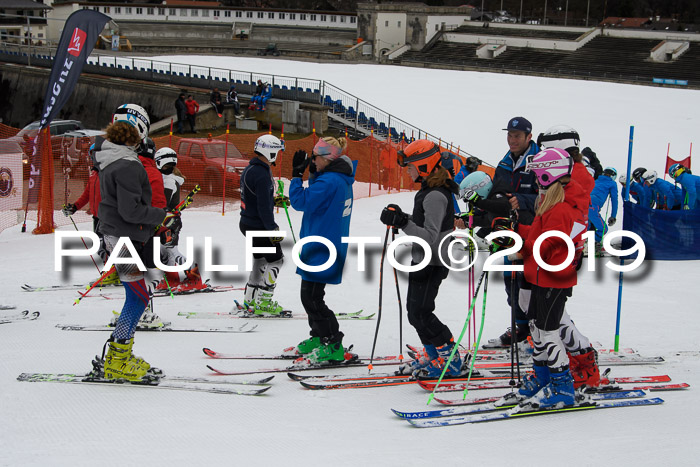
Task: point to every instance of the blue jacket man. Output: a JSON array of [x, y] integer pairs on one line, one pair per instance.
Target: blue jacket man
[[691, 186], [604, 186], [666, 195]]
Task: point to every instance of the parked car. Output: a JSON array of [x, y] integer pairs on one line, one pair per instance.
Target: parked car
[[202, 162]]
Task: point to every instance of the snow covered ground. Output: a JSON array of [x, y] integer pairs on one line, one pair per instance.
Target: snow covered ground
[[63, 424]]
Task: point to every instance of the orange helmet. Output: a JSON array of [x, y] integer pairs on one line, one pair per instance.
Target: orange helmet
[[424, 155]]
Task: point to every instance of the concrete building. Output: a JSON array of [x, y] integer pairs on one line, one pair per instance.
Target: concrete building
[[23, 22]]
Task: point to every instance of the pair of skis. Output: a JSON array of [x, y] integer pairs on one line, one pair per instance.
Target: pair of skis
[[243, 314], [251, 387]]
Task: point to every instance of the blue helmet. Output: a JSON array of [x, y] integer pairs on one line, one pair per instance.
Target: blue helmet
[[675, 170], [610, 172], [480, 182]]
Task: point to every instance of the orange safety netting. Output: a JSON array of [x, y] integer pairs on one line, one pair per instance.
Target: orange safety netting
[[201, 160]]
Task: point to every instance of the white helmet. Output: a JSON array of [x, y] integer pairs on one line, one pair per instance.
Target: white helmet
[[134, 115], [650, 176], [623, 179], [165, 156], [268, 146], [559, 136]]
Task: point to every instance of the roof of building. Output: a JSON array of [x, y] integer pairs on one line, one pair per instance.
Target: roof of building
[[24, 5], [620, 22]]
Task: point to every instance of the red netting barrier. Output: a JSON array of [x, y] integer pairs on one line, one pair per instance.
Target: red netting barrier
[[201, 160]]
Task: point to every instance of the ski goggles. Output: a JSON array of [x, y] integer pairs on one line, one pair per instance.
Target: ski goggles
[[324, 149]]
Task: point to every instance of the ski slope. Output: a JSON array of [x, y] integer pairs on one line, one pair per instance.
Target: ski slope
[[63, 424]]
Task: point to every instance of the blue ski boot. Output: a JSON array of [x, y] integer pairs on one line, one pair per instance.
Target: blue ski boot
[[434, 370], [533, 382], [422, 360], [558, 393]]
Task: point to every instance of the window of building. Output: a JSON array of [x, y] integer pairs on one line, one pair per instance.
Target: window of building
[[342, 19], [249, 14], [239, 14], [386, 24], [313, 17], [399, 24], [302, 16], [172, 11], [292, 16], [118, 10], [333, 18], [282, 15], [195, 12], [436, 27], [150, 11], [139, 11], [323, 17], [271, 15], [96, 8], [106, 9], [205, 12], [217, 13], [353, 20], [260, 14], [183, 12], [161, 11], [227, 14], [41, 35], [128, 10]]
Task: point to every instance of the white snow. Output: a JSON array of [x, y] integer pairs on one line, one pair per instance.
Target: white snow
[[64, 424]]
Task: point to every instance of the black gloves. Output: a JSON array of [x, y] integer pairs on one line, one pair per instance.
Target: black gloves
[[69, 209], [472, 164], [500, 224], [612, 221], [393, 215], [299, 163]]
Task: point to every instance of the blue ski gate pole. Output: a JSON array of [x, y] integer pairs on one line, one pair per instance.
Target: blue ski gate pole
[[626, 195]]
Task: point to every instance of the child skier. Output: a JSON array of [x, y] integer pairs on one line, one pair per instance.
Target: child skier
[[605, 187], [257, 206], [554, 334], [126, 211], [432, 220]]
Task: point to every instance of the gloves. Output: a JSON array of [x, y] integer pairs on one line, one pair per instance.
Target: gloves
[[611, 221], [299, 163], [472, 164], [686, 207], [471, 196], [69, 209], [282, 201], [172, 222], [500, 224], [393, 215]]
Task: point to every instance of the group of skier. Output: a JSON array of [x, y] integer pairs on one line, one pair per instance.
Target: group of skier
[[537, 188], [648, 190]]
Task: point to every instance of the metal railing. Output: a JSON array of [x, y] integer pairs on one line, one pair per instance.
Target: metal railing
[[362, 116]]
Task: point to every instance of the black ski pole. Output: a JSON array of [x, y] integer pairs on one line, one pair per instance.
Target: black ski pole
[[394, 231], [379, 310], [514, 352]]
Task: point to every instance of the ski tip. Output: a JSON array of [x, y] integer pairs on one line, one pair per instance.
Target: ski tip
[[309, 386], [266, 380], [209, 353], [262, 390], [215, 370]]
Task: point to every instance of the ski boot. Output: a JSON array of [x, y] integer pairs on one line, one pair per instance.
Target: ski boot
[[304, 347], [263, 305], [170, 282], [193, 281], [327, 352], [436, 366], [522, 331], [421, 360], [112, 279], [584, 368], [150, 320], [119, 363], [558, 393]]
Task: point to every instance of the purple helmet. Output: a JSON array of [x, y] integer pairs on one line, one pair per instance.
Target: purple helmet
[[550, 165]]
